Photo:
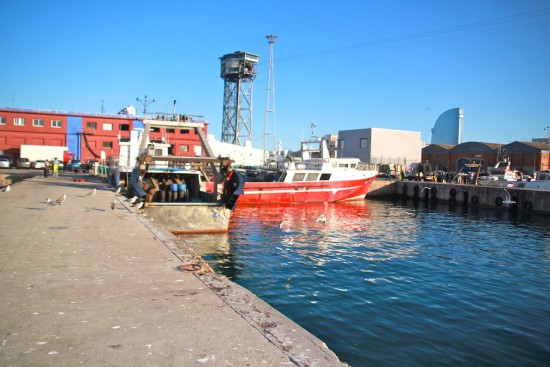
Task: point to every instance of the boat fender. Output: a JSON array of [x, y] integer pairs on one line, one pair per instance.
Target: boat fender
[[452, 201], [474, 199], [416, 189], [498, 201], [452, 192], [404, 189], [191, 267], [528, 205]]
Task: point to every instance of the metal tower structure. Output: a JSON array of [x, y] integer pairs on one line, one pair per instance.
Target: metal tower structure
[[238, 71], [270, 99]]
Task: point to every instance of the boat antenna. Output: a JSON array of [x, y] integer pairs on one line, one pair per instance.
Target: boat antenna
[[270, 99], [313, 126]]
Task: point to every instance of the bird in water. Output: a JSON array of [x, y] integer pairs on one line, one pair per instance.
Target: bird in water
[[61, 199], [113, 205], [93, 192], [7, 189], [322, 219]]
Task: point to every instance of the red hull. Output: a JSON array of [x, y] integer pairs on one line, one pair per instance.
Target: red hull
[[305, 192]]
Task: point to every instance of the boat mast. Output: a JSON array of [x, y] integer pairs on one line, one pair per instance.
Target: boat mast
[[270, 99]]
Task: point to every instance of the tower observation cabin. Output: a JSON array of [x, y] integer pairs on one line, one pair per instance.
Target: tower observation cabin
[[238, 71]]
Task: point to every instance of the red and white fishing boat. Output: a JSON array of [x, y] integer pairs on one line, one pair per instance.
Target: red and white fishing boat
[[322, 179]]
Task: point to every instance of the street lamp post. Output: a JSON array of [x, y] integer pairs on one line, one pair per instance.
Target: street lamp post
[[145, 133], [145, 103]]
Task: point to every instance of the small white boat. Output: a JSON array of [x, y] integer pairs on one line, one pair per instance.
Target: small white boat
[[540, 181]]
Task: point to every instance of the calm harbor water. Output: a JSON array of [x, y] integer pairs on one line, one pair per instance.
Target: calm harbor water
[[393, 284]]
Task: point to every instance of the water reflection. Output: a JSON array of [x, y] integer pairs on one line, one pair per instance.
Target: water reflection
[[387, 281]]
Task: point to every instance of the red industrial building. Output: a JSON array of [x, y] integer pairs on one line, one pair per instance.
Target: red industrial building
[[526, 157], [87, 135]]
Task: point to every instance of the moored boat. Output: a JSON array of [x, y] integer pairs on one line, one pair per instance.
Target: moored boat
[[182, 193], [320, 179], [541, 180]]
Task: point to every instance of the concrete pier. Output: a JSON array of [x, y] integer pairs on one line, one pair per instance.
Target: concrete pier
[[86, 285], [497, 197]]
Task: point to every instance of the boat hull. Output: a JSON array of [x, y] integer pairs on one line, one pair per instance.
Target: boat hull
[[302, 192], [189, 217]]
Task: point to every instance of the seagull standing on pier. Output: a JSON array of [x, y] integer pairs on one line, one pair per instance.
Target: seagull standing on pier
[[117, 192], [93, 192], [7, 189], [113, 205], [61, 199], [132, 200]]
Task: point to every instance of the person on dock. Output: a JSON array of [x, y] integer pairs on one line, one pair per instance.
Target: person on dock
[[55, 167], [46, 168]]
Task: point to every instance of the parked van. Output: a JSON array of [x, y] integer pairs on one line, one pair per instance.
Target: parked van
[[420, 172]]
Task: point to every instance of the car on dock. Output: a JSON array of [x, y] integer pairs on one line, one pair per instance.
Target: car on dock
[[5, 163], [39, 164], [23, 163], [74, 165], [419, 172]]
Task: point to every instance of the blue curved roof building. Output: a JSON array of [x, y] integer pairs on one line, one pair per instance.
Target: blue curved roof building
[[448, 127]]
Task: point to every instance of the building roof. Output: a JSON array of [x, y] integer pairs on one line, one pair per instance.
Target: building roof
[[68, 113], [473, 146], [517, 146]]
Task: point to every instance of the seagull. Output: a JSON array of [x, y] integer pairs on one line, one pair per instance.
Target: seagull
[[113, 205], [51, 203], [508, 198], [7, 189], [216, 214], [322, 219], [132, 200], [141, 204], [93, 192], [117, 192], [288, 240], [136, 202], [61, 199]]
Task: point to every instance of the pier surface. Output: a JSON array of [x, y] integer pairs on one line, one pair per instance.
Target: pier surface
[[86, 285]]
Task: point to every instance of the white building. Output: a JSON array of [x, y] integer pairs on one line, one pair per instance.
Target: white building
[[381, 146], [241, 155]]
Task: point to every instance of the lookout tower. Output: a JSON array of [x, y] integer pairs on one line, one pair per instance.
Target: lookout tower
[[238, 71]]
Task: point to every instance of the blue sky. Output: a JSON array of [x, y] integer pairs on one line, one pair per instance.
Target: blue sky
[[343, 64]]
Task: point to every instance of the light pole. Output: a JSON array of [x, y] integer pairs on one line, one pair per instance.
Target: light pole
[[145, 103]]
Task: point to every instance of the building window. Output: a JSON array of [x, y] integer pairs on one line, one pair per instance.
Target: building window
[[364, 143], [184, 131], [57, 123], [170, 131], [124, 127], [91, 125], [107, 126], [38, 122], [19, 121], [3, 121], [184, 148], [155, 130], [108, 145]]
